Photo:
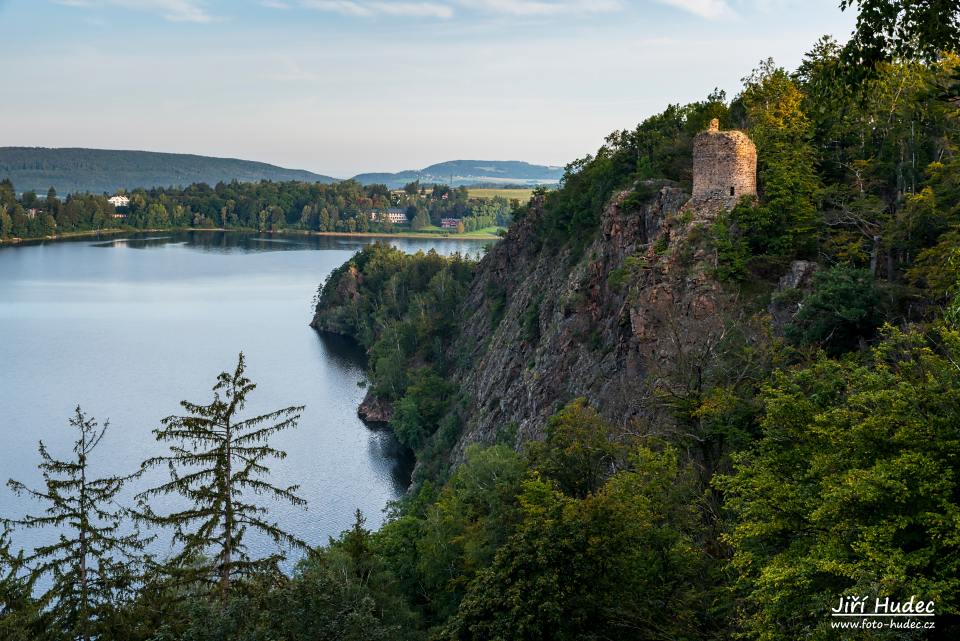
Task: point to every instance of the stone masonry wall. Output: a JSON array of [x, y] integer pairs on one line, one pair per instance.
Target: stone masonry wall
[[724, 161]]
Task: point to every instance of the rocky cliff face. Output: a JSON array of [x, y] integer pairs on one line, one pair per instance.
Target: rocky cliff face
[[632, 318]]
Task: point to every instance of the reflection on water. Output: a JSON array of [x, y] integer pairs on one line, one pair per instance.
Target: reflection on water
[[383, 446], [129, 326], [136, 243], [228, 242], [342, 351], [386, 447]]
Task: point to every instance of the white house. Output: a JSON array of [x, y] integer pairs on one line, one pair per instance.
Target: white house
[[119, 201], [395, 216]]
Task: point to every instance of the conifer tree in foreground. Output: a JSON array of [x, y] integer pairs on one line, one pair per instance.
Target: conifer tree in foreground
[[215, 464], [19, 615], [90, 562]]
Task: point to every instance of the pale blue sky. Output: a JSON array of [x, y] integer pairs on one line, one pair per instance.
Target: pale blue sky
[[343, 86]]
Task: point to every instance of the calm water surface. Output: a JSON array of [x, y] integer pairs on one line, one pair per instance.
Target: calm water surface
[[127, 327]]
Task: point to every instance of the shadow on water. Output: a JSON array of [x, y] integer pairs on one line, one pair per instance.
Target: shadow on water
[[213, 241], [386, 447], [227, 242], [347, 354], [343, 352]]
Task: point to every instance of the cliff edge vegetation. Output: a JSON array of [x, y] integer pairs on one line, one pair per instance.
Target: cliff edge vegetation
[[739, 412]]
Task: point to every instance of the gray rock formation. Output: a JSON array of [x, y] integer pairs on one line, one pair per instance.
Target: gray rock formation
[[793, 285]]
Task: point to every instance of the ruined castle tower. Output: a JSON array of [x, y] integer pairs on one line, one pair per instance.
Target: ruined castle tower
[[724, 165]]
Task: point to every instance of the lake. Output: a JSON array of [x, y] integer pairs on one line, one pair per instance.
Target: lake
[[127, 327]]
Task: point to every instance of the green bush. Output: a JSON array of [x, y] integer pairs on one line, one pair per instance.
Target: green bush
[[841, 313]]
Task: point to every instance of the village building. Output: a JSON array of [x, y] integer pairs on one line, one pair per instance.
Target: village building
[[392, 215], [119, 201], [449, 223]]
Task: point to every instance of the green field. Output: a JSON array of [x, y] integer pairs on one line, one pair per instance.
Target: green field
[[430, 232], [523, 195], [485, 232]]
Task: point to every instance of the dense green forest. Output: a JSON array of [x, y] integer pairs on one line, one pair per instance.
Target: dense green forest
[[264, 206], [99, 171], [832, 448], [822, 463]]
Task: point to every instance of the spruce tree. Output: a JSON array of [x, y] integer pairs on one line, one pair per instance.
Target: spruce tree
[[216, 461], [19, 614], [89, 564]]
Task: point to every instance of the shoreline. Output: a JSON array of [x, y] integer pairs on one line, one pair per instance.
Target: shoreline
[[369, 234], [291, 232], [113, 231]]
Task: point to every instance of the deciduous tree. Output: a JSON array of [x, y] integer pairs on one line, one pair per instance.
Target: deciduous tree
[[852, 489]]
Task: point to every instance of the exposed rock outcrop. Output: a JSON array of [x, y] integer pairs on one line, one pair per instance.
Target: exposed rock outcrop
[[621, 321], [792, 286], [798, 276], [375, 410], [628, 317]]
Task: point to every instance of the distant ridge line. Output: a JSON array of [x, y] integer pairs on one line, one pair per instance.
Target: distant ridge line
[[469, 172], [81, 169]]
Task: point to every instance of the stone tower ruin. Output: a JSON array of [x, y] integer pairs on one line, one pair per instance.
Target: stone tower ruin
[[724, 165]]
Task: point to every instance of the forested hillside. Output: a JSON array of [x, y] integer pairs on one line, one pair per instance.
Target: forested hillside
[[104, 171], [639, 416], [732, 416]]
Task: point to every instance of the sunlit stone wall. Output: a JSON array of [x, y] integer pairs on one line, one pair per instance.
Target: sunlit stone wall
[[724, 165]]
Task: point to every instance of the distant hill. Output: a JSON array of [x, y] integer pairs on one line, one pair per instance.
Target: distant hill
[[470, 172], [71, 170], [105, 171]]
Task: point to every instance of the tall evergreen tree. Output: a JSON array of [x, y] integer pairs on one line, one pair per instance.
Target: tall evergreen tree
[[216, 461], [89, 563]]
